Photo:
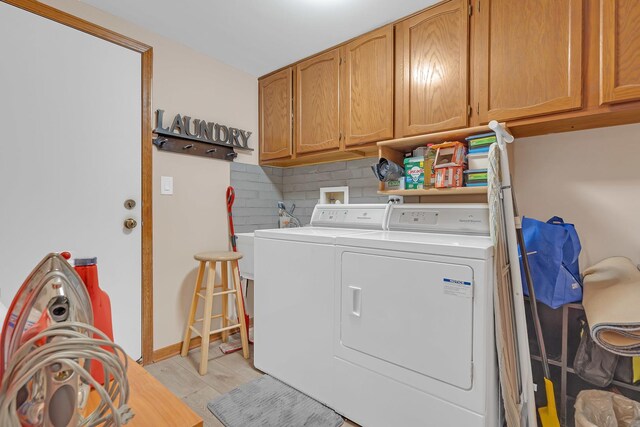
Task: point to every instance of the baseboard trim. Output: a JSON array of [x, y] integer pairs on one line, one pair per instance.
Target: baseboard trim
[[174, 349]]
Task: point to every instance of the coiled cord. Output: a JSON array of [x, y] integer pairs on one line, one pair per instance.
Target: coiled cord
[[66, 343]]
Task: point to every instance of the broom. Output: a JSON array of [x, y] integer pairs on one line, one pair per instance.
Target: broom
[[548, 414]]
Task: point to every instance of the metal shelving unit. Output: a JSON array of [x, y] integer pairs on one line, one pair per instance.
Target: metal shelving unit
[[566, 367]]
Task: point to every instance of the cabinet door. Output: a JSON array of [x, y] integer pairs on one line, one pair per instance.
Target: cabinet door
[[619, 51], [528, 58], [318, 103], [276, 115], [367, 88], [432, 51]]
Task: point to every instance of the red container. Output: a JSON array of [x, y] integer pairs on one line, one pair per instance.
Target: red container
[[87, 269]]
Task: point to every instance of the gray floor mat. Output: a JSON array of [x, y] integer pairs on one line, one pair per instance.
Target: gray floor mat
[[267, 402]]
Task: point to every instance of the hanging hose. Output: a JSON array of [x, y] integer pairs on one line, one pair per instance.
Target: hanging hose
[[67, 348]]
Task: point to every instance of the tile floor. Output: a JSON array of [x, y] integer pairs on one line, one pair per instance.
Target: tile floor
[[226, 372]]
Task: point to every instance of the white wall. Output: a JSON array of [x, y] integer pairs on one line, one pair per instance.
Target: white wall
[[590, 178], [194, 218]]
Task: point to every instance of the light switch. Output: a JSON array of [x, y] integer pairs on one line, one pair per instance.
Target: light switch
[[166, 185]]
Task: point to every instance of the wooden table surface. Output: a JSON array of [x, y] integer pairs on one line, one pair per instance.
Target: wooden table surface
[[152, 403]]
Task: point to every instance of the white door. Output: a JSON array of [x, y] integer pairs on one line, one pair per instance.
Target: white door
[[70, 126]]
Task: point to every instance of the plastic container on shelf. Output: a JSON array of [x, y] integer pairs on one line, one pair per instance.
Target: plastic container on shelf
[[478, 161]]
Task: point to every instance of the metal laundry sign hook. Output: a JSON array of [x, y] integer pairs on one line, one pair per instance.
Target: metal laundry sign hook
[[199, 137]]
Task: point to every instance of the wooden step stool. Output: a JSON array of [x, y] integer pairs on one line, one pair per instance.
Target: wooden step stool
[[212, 258]]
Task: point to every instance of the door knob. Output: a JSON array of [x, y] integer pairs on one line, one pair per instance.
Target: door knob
[[130, 223]]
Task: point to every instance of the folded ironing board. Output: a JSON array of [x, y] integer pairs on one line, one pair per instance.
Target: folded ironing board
[[611, 300]]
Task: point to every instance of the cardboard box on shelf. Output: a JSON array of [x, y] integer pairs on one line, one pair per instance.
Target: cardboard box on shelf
[[449, 154], [449, 177]]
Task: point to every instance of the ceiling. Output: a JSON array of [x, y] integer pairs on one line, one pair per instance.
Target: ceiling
[[259, 36]]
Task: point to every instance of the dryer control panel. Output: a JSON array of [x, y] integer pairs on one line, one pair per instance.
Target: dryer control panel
[[368, 216], [468, 218]]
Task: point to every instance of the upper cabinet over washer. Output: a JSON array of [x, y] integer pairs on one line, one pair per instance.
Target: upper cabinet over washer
[[367, 88], [619, 51], [541, 66], [276, 115], [528, 58], [317, 100], [432, 62]]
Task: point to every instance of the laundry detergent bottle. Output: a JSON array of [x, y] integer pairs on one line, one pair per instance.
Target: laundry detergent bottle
[[87, 269]]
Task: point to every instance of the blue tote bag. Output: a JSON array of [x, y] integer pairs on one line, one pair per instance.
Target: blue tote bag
[[553, 248]]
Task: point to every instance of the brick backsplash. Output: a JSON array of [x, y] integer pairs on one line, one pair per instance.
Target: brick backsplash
[[258, 189]]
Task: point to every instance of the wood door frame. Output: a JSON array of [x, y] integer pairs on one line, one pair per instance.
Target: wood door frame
[[146, 54]]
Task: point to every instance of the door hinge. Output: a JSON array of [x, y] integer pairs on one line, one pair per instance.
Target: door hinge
[[478, 109], [470, 9], [469, 110]]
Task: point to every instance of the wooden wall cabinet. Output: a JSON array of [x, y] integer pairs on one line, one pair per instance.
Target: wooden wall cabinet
[[432, 62], [317, 101], [342, 103], [367, 88], [275, 115], [619, 51], [541, 66], [527, 58]]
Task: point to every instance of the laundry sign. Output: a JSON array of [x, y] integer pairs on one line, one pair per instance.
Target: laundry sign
[[202, 131]]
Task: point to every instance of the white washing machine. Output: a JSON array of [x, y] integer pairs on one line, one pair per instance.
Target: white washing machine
[[413, 337], [293, 303]]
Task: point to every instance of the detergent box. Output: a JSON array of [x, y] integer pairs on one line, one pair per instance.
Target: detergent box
[[414, 173], [450, 177]]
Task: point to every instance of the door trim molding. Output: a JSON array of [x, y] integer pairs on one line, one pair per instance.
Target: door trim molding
[[146, 53]]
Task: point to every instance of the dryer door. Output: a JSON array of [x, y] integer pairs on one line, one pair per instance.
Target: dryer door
[[411, 313]]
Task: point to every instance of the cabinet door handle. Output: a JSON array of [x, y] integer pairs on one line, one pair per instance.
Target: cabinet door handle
[[356, 300]]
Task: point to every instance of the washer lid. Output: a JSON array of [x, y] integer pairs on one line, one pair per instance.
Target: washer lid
[[464, 246], [308, 234]]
